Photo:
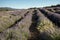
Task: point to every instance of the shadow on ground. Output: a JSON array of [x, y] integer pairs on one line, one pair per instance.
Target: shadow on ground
[[33, 28]]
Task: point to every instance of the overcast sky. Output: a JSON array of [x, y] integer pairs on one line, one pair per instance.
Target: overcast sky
[[27, 3]]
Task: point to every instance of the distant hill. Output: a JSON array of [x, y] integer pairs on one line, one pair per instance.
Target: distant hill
[[6, 9], [58, 5]]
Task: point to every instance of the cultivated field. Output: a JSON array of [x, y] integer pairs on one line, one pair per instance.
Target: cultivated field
[[30, 24]]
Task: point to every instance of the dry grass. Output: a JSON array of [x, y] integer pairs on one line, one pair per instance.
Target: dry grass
[[7, 20]]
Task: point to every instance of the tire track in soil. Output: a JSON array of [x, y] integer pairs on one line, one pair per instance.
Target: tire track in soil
[[54, 17]]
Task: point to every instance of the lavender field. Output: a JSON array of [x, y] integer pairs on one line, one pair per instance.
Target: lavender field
[[30, 24]]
